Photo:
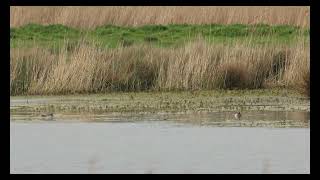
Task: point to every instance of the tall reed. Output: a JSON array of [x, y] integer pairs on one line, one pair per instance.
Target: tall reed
[[197, 65], [90, 17]]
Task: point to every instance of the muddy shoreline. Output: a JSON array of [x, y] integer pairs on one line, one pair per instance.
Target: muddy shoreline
[[154, 102]]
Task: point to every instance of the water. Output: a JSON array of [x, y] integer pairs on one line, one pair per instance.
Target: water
[[280, 119], [161, 144]]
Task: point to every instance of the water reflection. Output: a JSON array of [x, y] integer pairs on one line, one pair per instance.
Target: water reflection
[[155, 147]]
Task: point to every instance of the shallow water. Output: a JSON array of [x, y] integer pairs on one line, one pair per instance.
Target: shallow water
[[283, 119], [156, 146], [269, 138]]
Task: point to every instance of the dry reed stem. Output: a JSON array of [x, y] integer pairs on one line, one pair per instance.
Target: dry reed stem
[[90, 17], [195, 66]]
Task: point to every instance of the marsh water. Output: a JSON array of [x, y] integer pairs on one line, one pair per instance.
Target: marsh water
[[272, 136], [260, 142]]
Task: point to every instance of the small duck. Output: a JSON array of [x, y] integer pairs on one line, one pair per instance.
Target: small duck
[[237, 115], [47, 115]]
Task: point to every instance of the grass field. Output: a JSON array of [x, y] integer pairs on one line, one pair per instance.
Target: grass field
[[159, 35]]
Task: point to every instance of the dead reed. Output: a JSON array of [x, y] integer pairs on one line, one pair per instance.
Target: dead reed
[[90, 17], [198, 65]]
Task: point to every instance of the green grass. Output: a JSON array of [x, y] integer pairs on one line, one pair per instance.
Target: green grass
[[163, 36], [46, 59]]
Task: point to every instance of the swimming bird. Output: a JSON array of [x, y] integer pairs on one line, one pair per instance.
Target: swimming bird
[[47, 115], [237, 115]]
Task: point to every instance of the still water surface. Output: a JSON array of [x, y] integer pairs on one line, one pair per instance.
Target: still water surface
[[163, 146]]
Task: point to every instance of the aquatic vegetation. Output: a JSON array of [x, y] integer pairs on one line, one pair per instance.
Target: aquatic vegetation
[[155, 102]]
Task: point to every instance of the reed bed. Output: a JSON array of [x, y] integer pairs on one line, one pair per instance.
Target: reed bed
[[84, 66], [91, 17], [87, 68]]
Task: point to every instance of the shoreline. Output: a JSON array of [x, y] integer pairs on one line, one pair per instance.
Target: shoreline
[[163, 102]]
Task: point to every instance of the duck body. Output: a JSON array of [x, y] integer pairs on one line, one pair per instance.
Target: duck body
[[237, 115], [47, 115]]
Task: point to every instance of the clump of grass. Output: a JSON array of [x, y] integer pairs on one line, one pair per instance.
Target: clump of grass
[[231, 76], [297, 70], [306, 84], [29, 68], [303, 86], [247, 68], [278, 64]]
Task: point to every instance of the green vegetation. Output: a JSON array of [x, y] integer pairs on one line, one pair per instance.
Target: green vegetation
[[56, 59], [163, 36], [174, 101]]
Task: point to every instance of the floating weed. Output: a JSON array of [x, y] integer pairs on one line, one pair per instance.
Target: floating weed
[[150, 102]]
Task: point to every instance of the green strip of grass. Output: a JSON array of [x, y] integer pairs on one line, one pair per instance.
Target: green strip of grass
[[159, 35]]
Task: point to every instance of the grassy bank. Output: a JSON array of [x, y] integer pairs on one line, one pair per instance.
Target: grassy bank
[[174, 35], [91, 17], [58, 59]]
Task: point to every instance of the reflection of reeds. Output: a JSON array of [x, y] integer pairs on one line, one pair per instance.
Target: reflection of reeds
[[196, 66], [89, 17]]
